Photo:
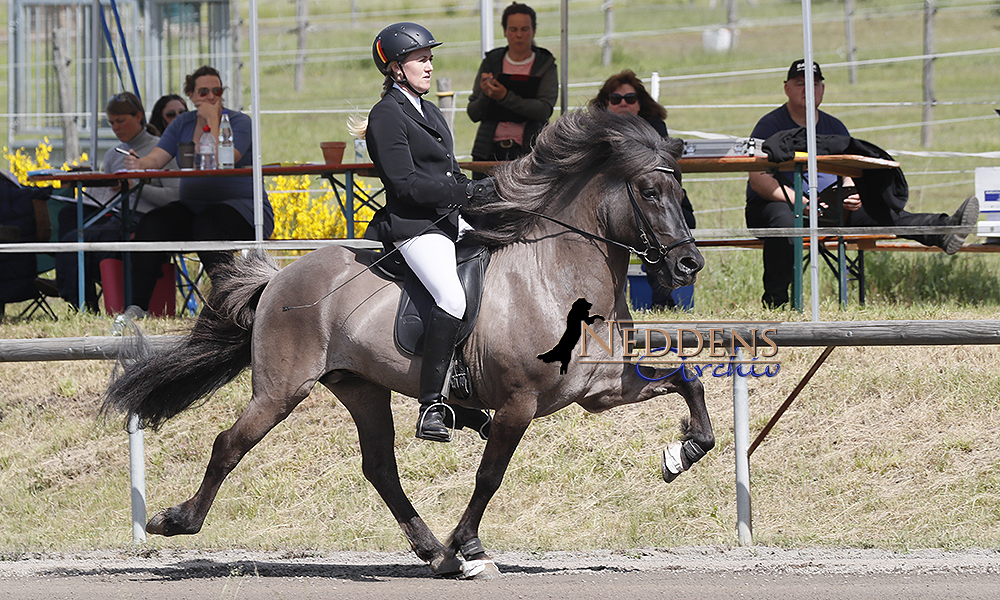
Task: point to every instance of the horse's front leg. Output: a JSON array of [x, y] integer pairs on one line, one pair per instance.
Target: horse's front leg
[[509, 424], [696, 430]]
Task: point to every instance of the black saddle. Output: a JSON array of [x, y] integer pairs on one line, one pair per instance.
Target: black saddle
[[415, 302]]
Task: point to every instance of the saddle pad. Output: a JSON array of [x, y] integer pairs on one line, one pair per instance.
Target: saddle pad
[[415, 302]]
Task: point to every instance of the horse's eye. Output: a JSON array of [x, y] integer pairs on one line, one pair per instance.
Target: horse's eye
[[650, 194]]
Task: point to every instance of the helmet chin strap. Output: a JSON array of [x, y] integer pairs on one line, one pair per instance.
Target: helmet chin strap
[[406, 82]]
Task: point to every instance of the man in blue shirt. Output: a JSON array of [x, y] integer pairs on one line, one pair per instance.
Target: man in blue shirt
[[770, 198]]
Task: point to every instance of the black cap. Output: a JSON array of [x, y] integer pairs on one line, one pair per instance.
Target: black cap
[[799, 68]]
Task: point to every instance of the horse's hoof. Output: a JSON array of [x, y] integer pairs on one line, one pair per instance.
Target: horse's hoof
[[157, 525], [480, 570], [670, 462], [164, 524], [449, 565]]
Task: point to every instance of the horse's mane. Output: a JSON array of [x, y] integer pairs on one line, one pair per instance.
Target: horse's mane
[[581, 144]]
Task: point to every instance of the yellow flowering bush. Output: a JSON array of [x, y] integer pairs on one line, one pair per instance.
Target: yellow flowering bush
[[304, 213], [21, 162]]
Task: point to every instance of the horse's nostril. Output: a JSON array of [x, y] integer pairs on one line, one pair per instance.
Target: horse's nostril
[[688, 264]]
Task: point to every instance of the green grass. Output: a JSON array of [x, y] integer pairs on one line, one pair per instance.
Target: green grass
[[886, 447]]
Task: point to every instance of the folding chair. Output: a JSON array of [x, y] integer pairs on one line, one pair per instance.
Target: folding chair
[[187, 285], [24, 217]]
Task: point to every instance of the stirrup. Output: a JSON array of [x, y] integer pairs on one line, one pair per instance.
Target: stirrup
[[424, 409]]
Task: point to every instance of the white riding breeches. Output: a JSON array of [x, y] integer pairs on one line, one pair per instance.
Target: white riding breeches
[[431, 256]]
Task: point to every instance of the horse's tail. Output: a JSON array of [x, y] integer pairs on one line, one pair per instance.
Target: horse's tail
[[156, 384]]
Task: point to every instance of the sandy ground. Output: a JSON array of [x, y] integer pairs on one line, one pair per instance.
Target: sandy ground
[[638, 575]]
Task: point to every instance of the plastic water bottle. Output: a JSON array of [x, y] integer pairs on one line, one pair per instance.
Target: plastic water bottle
[[206, 150], [227, 157]]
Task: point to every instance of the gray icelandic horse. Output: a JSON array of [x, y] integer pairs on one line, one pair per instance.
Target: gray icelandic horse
[[596, 187]]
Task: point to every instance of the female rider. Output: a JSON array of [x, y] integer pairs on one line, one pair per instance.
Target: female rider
[[411, 146]]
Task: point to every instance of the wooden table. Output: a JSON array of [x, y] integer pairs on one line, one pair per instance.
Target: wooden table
[[81, 179]]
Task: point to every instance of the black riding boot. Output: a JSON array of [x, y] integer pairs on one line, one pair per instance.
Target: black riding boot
[[440, 337]]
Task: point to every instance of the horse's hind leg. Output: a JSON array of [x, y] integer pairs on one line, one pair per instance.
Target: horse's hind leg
[[267, 408], [369, 406], [697, 429]]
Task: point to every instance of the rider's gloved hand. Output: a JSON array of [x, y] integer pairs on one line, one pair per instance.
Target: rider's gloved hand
[[482, 191]]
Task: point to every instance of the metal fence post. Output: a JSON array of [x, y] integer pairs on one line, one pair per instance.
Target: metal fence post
[[137, 476], [741, 433]]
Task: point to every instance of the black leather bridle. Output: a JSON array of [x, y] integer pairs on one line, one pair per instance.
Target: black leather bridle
[[654, 251]]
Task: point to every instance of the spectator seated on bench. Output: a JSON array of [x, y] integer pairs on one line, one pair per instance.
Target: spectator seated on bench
[[878, 199], [209, 208], [128, 121]]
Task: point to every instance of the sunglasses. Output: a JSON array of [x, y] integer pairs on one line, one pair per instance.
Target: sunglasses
[[629, 98], [170, 114], [216, 91], [126, 98]]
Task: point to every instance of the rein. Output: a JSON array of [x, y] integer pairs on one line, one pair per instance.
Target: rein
[[370, 267], [654, 251]]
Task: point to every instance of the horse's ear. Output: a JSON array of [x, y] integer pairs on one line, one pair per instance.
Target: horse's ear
[[675, 146]]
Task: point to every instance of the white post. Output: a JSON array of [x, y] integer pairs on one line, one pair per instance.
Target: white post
[[137, 475], [258, 177], [741, 434], [485, 26], [807, 42], [654, 86]]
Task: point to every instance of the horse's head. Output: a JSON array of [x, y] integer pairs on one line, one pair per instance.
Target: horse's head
[[643, 183], [618, 178]]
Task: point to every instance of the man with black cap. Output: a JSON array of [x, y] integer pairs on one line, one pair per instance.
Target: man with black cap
[[769, 200]]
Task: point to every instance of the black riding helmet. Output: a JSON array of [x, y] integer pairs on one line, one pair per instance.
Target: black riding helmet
[[397, 40]]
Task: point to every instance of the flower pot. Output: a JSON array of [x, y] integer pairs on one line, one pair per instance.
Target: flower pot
[[333, 152]]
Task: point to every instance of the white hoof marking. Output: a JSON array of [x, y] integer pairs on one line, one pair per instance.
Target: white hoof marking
[[479, 569], [671, 464]]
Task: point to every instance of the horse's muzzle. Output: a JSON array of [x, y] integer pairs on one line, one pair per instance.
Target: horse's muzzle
[[681, 267]]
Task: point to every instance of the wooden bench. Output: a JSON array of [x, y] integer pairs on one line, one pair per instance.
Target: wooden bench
[[894, 245], [829, 241], [850, 268], [832, 249]]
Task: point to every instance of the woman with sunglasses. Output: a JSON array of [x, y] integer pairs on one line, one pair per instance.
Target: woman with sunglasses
[[166, 110], [209, 208], [624, 94]]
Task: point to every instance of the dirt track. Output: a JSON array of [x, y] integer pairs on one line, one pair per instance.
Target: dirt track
[[637, 575]]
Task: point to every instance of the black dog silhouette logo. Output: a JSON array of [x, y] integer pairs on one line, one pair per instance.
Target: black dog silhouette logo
[[563, 351]]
